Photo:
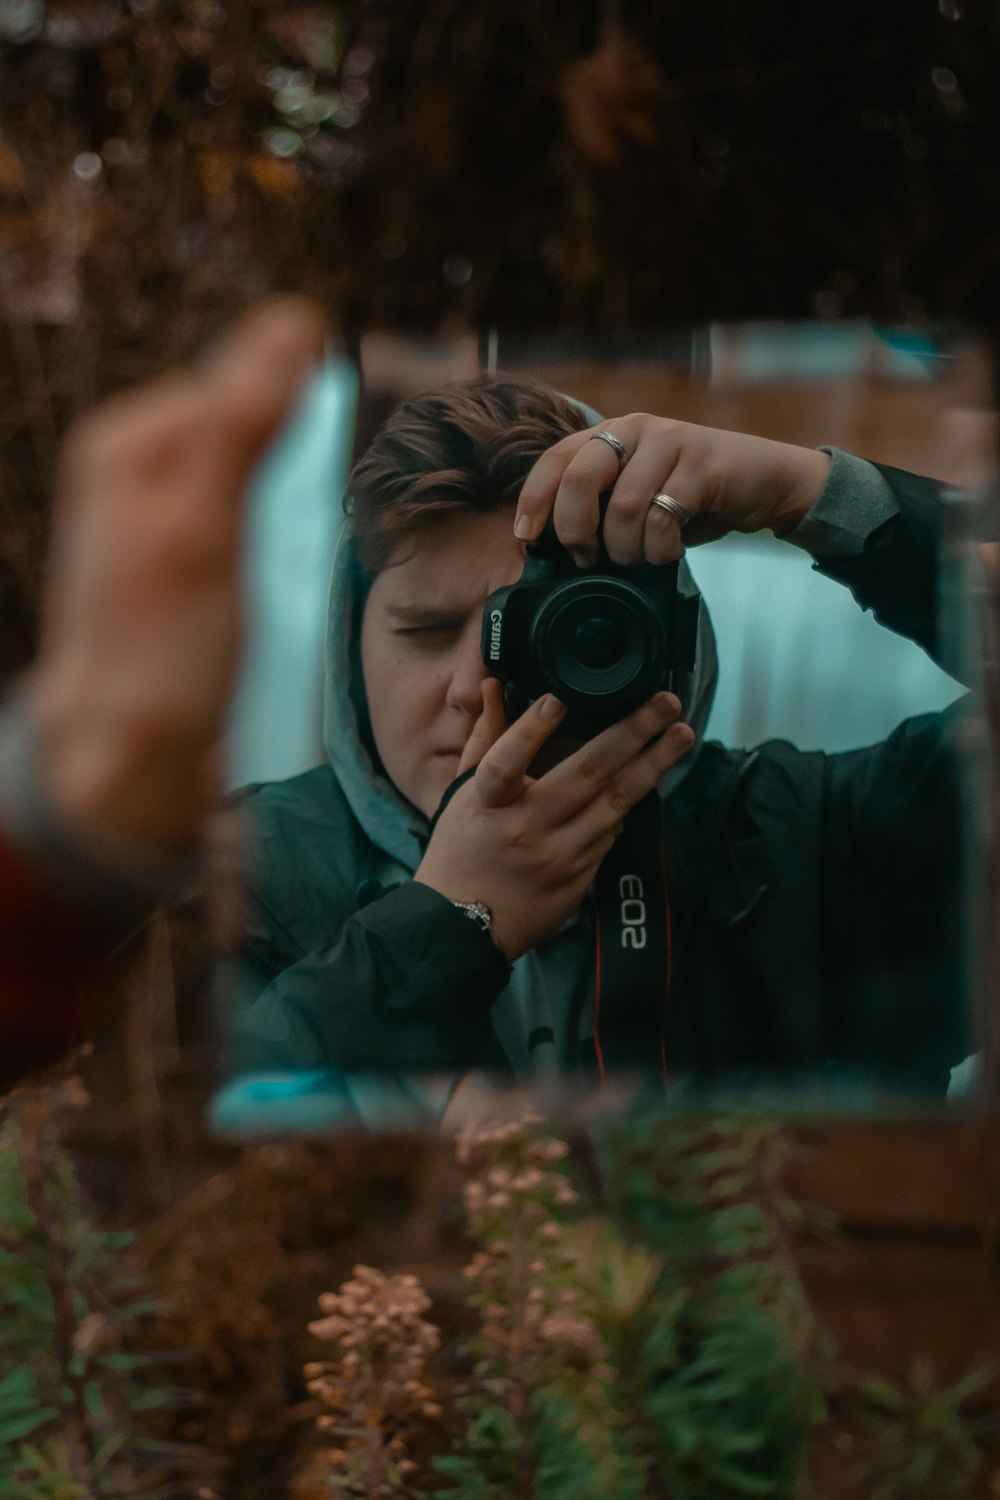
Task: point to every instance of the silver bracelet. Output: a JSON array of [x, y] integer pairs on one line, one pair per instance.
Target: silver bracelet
[[478, 913]]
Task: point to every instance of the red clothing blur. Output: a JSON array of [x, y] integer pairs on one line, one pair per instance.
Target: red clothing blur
[[50, 954]]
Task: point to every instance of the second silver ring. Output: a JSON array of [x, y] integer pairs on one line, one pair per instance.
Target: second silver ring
[[673, 508]]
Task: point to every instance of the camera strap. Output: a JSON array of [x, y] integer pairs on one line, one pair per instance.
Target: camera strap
[[632, 926]]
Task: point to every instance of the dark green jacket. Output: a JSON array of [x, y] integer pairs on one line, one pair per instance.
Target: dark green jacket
[[818, 907]]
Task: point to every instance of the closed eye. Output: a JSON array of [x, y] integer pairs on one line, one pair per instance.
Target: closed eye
[[431, 632]]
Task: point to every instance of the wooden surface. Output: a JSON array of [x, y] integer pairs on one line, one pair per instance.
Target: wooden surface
[[922, 427], [914, 1268]]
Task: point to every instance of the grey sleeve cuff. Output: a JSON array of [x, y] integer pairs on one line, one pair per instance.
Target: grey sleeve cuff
[[855, 502], [119, 883]]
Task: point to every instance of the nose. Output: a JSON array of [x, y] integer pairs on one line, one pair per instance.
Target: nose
[[465, 687]]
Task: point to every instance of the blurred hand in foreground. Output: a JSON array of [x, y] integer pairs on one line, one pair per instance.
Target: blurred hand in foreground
[[142, 615]]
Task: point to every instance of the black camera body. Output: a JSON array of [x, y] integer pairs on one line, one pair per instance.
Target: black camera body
[[602, 639]]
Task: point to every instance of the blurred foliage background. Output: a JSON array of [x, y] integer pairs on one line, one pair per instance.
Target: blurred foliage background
[[444, 165]]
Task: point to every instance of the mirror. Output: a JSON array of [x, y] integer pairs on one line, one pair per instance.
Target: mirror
[[805, 927]]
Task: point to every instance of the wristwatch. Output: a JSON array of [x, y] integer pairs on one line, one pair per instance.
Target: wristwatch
[[478, 913]]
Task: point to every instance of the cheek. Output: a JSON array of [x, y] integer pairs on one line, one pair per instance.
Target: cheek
[[415, 699], [405, 697], [427, 698]]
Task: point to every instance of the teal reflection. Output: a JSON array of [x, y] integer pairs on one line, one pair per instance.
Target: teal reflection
[[798, 660], [293, 526]]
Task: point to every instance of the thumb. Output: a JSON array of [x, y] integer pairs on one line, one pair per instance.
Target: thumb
[[488, 728]]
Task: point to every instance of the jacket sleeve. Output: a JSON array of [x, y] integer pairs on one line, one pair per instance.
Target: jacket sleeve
[[897, 818], [408, 985], [899, 894], [67, 901], [879, 531], [898, 833]]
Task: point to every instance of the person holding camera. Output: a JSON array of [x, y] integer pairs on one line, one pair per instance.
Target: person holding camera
[[430, 898]]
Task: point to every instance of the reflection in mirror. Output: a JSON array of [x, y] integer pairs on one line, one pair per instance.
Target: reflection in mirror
[[653, 771]]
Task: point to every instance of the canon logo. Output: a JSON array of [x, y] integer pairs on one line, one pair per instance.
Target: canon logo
[[633, 911], [496, 620]]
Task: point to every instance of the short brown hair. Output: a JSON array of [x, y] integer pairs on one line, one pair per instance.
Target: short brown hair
[[467, 445]]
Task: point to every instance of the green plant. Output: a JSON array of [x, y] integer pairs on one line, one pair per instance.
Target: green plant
[[649, 1338], [538, 1419], [699, 1371], [75, 1390], [735, 1369], [924, 1444]]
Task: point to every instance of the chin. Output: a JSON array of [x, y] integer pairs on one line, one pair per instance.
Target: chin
[[436, 785]]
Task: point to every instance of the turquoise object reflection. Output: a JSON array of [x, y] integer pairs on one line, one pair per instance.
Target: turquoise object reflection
[[294, 522], [754, 353], [798, 660]]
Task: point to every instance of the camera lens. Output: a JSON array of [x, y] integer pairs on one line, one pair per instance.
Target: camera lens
[[599, 642]]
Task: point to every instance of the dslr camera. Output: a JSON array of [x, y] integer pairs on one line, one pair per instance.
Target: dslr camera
[[603, 639]]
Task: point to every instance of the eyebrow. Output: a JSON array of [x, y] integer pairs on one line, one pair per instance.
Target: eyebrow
[[430, 614]]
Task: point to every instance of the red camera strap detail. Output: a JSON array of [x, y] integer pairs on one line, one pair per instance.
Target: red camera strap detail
[[598, 1052], [669, 976], [633, 948]]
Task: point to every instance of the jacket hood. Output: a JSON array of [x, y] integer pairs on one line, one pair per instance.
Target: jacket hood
[[396, 827]]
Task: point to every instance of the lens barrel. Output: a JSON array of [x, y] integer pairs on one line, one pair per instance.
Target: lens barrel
[[598, 644]]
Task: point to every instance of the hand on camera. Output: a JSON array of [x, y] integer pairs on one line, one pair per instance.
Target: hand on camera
[[142, 619], [529, 848], [725, 481]]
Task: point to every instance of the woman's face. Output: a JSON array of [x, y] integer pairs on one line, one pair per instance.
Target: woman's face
[[420, 647]]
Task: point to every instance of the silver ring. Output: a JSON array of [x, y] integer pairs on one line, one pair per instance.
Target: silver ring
[[612, 442], [673, 508]]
